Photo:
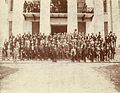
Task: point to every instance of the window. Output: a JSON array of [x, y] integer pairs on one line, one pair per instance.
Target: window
[[106, 28], [119, 4], [31, 6], [10, 28], [11, 5], [81, 6], [58, 6], [105, 6]]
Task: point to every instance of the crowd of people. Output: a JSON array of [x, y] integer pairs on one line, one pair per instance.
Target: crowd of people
[[61, 46], [58, 6], [31, 6]]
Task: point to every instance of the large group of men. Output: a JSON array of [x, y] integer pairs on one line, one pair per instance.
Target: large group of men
[[31, 6], [61, 46]]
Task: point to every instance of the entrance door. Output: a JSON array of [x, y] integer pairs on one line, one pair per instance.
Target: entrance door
[[82, 27], [35, 27], [58, 29]]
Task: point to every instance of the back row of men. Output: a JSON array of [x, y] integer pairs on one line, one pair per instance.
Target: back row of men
[[61, 46]]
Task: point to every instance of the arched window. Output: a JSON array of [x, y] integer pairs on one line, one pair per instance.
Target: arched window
[[105, 6]]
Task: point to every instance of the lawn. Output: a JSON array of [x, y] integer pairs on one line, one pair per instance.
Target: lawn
[[5, 71], [112, 73]]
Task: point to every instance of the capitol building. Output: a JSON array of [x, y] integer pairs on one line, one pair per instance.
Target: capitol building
[[56, 16]]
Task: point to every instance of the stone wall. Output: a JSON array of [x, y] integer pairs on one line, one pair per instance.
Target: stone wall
[[4, 33]]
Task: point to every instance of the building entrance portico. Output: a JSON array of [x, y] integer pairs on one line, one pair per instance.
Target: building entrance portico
[[64, 15], [37, 16]]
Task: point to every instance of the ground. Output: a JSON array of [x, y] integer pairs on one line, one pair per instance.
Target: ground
[[61, 77]]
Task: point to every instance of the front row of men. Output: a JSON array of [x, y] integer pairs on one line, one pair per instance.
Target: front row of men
[[61, 46]]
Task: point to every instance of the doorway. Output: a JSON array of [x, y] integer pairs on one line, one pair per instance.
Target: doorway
[[58, 29], [82, 27], [35, 27]]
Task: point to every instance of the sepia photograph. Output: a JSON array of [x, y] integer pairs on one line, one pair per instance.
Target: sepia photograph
[[60, 46]]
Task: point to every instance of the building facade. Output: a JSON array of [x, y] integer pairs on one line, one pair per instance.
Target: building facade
[[54, 16]]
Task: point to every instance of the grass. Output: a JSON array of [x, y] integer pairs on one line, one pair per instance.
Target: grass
[[112, 73], [5, 71]]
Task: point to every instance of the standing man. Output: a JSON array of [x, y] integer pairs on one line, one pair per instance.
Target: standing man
[[115, 39], [73, 54]]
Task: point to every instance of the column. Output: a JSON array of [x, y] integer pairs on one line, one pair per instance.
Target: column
[[119, 8], [90, 27], [89, 3], [98, 17], [27, 27], [4, 32], [18, 17], [72, 16], [90, 24], [109, 15], [116, 20], [45, 17]]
